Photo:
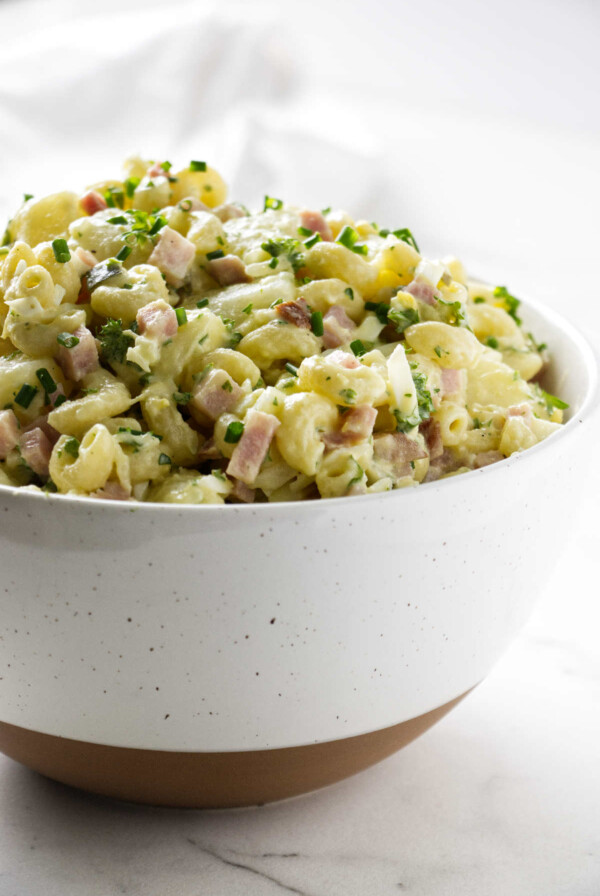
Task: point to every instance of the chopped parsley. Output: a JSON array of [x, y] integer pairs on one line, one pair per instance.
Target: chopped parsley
[[182, 397], [234, 432], [316, 322], [422, 412], [349, 395], [290, 248], [61, 251], [403, 318], [71, 446], [25, 395], [67, 340], [114, 342], [511, 303], [114, 197], [348, 237], [227, 386]]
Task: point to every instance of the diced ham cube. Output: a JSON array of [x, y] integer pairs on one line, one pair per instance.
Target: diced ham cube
[[208, 451], [448, 462], [157, 320], [228, 212], [9, 432], [422, 290], [452, 381], [251, 450], [337, 327], [485, 458], [112, 491], [357, 426], [173, 256], [228, 270], [316, 222], [42, 423], [36, 448], [93, 202], [242, 492], [80, 360], [296, 313], [398, 450], [216, 394], [432, 433], [344, 359]]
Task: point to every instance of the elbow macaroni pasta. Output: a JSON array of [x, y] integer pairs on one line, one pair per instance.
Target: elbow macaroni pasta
[[366, 366]]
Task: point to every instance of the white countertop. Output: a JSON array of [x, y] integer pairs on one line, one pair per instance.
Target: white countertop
[[501, 798]]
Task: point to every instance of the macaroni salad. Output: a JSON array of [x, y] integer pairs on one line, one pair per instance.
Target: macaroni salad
[[161, 344]]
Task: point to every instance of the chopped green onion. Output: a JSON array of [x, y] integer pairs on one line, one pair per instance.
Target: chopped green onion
[[274, 262], [358, 347], [158, 225], [492, 342], [381, 309], [217, 253], [553, 402], [349, 395], [67, 340], [406, 236], [46, 381], [271, 202], [25, 395], [305, 231], [59, 400], [478, 300], [114, 196], [164, 459], [61, 251], [510, 302], [227, 386], [131, 184], [124, 253], [311, 241], [316, 322], [27, 197], [181, 315], [234, 432], [197, 166], [118, 219], [202, 303], [291, 369], [350, 293], [182, 397], [348, 238], [247, 309], [71, 446], [326, 211]]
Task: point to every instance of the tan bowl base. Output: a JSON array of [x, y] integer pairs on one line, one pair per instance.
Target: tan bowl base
[[207, 780]]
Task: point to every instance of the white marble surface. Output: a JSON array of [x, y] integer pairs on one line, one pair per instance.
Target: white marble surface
[[501, 798]]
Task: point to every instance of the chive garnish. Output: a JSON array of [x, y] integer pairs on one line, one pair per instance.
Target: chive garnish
[[310, 242], [71, 446], [202, 303], [271, 202], [316, 322], [181, 315], [234, 432], [61, 251], [124, 253], [291, 369], [197, 166], [216, 253], [46, 381], [25, 395]]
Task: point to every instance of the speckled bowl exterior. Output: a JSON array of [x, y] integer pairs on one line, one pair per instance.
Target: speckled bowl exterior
[[244, 628]]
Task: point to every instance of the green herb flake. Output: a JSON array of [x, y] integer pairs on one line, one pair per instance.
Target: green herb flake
[[181, 315], [216, 253], [25, 395], [402, 318], [46, 381], [182, 397], [202, 303], [131, 185], [349, 395], [114, 343], [358, 474], [492, 342], [123, 254], [227, 387], [305, 231], [381, 309], [117, 219], [553, 402], [247, 309], [197, 166], [326, 211], [349, 292], [312, 240], [511, 303], [234, 431], [61, 251], [27, 197], [59, 400], [316, 323], [67, 340], [348, 237], [290, 248], [406, 236], [358, 347], [71, 446], [291, 369]]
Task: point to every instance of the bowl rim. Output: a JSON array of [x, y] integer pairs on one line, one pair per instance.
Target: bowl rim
[[590, 404]]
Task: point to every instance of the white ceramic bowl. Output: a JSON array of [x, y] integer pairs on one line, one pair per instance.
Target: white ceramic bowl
[[213, 656]]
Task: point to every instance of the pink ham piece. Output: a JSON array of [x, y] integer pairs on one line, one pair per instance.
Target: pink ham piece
[[520, 410], [9, 432], [242, 492], [296, 313], [315, 221], [397, 448], [228, 270], [431, 431], [216, 394], [337, 327], [452, 381], [448, 462], [112, 491], [228, 212], [485, 458], [86, 257], [42, 423], [251, 450], [36, 448], [93, 202], [157, 320], [421, 290], [80, 360], [357, 426], [344, 359], [173, 256]]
